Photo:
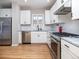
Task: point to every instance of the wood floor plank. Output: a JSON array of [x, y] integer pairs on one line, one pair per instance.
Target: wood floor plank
[[31, 51]]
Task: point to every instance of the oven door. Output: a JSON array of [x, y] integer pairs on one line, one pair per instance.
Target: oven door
[[55, 46]]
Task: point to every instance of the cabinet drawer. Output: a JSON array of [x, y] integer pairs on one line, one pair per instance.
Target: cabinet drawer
[[72, 48], [5, 13]]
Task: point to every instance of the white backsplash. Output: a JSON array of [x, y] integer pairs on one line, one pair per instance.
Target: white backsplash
[[26, 28], [72, 27], [30, 28]]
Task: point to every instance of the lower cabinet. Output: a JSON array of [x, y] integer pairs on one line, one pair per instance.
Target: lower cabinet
[[38, 37], [66, 53]]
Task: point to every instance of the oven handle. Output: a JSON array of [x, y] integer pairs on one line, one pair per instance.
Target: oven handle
[[66, 46], [54, 40]]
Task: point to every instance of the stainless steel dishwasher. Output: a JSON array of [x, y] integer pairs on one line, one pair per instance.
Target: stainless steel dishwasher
[[26, 37]]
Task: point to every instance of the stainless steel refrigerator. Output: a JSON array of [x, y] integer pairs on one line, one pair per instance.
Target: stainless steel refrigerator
[[5, 31]]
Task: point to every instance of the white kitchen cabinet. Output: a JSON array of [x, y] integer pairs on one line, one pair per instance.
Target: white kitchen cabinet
[[66, 51], [25, 17], [54, 18], [56, 5], [5, 12], [47, 17], [67, 3], [65, 54], [38, 37], [75, 9]]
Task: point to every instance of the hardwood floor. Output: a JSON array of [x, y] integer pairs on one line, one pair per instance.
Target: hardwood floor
[[29, 51]]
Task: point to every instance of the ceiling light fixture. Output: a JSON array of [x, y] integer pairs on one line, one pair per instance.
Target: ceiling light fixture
[[48, 0], [25, 0]]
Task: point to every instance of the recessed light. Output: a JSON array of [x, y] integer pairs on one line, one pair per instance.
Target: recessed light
[[48, 0], [25, 0]]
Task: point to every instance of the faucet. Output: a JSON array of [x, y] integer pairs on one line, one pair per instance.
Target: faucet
[[38, 27]]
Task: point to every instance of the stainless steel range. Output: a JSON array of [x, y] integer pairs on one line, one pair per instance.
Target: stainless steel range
[[56, 43], [55, 46]]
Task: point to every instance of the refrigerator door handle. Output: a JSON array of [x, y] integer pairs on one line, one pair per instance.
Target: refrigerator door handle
[[1, 25]]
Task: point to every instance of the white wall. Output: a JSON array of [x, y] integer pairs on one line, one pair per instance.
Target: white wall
[[15, 24], [71, 26], [40, 11]]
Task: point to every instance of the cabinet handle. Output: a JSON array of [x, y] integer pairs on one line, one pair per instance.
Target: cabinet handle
[[66, 45], [24, 22], [6, 15], [38, 35]]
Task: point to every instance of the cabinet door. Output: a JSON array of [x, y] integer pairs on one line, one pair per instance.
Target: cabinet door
[[38, 37], [54, 18], [75, 9], [28, 18], [34, 37], [25, 17], [66, 52], [47, 17], [42, 36]]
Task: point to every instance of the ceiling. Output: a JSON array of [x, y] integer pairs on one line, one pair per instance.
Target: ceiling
[[30, 4]]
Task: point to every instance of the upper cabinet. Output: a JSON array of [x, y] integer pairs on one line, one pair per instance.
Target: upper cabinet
[[25, 17], [5, 12], [56, 5], [75, 9], [47, 17]]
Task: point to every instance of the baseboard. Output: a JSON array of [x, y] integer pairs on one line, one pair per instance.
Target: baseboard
[[40, 43], [15, 44]]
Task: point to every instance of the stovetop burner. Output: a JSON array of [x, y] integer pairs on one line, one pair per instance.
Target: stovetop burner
[[64, 34]]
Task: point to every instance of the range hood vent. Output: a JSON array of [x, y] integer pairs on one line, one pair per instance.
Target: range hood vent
[[63, 10]]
